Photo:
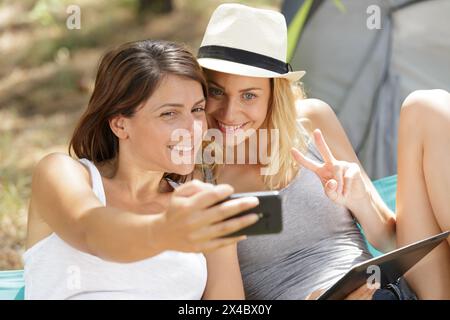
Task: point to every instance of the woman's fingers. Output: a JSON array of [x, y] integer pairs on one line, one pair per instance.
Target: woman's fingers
[[331, 177], [190, 188], [331, 189], [225, 210], [187, 198], [323, 147], [305, 162], [210, 196], [223, 228], [334, 187]]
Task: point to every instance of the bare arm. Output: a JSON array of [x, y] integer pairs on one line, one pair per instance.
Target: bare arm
[[224, 275], [377, 220], [63, 197]]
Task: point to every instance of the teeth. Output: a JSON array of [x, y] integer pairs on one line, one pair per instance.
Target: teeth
[[229, 128]]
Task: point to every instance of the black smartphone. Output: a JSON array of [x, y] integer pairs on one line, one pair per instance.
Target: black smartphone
[[269, 209]]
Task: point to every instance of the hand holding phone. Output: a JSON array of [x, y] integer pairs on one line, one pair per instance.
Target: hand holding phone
[[269, 209]]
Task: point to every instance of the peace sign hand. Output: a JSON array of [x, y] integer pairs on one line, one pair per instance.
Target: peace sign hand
[[342, 181]]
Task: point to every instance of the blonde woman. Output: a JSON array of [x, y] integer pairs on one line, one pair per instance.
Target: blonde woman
[[325, 189]]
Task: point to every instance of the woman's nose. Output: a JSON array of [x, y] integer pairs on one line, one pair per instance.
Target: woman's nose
[[229, 111]]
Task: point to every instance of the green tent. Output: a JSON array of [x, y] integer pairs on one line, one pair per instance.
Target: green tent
[[364, 72]]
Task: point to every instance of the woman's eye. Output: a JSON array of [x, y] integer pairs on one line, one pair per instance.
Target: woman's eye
[[215, 92], [198, 109], [249, 96], [167, 114]]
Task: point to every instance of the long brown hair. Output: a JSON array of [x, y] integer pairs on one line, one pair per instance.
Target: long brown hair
[[127, 77]]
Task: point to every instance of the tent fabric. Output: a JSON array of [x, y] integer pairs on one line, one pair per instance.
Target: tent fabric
[[366, 74], [304, 11]]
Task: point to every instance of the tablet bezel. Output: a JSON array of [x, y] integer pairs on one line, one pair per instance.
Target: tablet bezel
[[358, 273]]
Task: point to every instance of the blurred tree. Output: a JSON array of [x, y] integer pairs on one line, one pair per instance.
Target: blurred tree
[[157, 6]]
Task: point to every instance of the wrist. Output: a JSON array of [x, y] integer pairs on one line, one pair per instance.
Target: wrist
[[363, 203], [153, 237]]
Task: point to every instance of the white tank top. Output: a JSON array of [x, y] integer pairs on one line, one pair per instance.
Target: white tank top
[[56, 270]]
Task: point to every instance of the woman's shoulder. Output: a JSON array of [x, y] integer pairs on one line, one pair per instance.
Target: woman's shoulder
[[314, 110], [58, 172], [59, 164], [315, 113], [54, 171]]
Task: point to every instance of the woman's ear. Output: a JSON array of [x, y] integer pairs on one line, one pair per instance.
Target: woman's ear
[[117, 125]]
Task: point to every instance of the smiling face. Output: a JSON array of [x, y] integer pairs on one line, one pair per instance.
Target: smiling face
[[177, 103], [237, 102]]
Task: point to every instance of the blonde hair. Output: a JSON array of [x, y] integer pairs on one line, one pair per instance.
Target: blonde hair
[[281, 115]]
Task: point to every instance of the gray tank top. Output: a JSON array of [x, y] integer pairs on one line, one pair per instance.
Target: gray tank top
[[320, 241]]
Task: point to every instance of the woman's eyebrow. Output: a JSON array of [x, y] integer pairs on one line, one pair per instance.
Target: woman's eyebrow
[[242, 90], [249, 89], [216, 84], [178, 105]]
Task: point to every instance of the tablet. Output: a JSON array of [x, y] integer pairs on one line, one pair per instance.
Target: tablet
[[392, 266]]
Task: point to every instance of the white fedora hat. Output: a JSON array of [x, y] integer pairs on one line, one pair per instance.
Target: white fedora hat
[[247, 41]]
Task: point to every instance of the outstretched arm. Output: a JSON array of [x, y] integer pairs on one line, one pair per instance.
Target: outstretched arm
[[64, 199]]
